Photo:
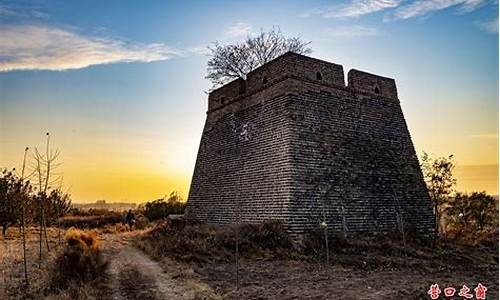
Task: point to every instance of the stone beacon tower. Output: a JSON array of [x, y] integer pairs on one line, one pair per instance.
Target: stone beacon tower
[[293, 143]]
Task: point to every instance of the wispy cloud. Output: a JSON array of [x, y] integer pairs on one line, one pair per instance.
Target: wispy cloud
[[471, 5], [22, 10], [200, 50], [425, 7], [355, 8], [352, 31], [238, 31], [27, 47], [399, 9], [489, 26]]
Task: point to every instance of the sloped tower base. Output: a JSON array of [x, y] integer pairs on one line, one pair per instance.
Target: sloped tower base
[[293, 143]]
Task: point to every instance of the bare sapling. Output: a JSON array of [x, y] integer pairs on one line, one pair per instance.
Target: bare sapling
[[38, 170], [47, 176], [45, 166], [23, 218]]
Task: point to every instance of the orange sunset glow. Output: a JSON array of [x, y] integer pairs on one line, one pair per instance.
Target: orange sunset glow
[[125, 100]]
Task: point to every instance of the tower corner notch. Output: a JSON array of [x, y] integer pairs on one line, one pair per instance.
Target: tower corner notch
[[371, 83]]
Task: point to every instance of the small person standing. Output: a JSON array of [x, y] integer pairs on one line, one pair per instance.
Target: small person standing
[[130, 219]]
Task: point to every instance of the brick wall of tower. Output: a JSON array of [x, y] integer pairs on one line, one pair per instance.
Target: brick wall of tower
[[293, 145], [353, 161], [243, 164]]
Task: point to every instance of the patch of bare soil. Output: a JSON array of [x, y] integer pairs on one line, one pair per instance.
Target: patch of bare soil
[[136, 276], [291, 279], [135, 285]]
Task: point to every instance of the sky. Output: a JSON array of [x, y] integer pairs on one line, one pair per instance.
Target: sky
[[120, 85]]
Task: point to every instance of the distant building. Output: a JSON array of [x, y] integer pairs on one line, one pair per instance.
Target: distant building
[[293, 143], [101, 204]]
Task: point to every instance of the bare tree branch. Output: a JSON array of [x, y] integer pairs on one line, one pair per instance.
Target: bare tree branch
[[229, 62]]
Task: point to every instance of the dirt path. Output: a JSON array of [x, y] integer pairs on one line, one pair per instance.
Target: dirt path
[[135, 276]]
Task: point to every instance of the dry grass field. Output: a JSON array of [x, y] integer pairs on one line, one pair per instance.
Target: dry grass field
[[119, 271], [197, 262], [364, 267], [43, 275]]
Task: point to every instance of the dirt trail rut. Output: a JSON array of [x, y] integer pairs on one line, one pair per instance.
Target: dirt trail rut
[[135, 276]]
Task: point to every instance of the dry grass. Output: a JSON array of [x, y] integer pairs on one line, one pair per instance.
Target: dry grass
[[378, 266], [89, 222], [44, 282], [115, 228], [378, 252], [472, 238], [12, 285], [190, 242], [81, 260], [101, 220], [82, 291], [363, 267], [199, 243]]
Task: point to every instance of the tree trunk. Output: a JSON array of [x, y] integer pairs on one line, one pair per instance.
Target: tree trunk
[[23, 222], [41, 233], [25, 263], [45, 232], [436, 214]]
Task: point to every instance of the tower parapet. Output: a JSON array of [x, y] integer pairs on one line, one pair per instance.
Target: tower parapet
[[371, 83], [289, 65], [304, 68]]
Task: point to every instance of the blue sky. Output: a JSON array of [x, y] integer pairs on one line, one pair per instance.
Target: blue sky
[[120, 84]]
